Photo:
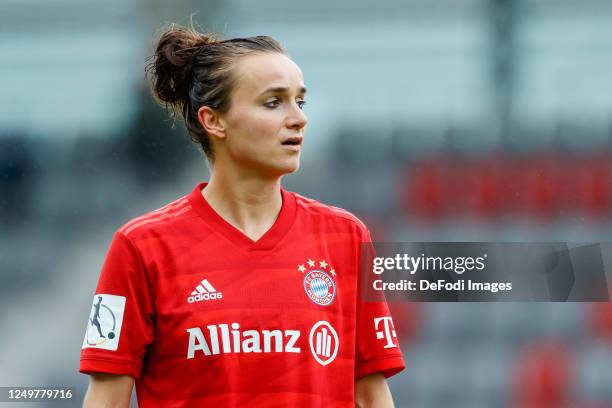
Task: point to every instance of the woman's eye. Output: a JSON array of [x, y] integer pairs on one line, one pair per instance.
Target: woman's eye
[[272, 104]]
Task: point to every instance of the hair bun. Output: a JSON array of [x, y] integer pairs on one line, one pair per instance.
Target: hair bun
[[170, 67]]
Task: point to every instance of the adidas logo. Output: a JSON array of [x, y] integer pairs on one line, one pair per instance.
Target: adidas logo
[[204, 291]]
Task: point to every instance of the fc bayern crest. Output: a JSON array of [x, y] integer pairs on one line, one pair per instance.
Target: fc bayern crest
[[318, 284]]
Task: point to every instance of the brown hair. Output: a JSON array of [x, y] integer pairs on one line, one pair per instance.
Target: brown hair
[[189, 70]]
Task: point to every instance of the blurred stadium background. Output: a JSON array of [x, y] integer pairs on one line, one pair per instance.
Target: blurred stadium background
[[447, 120]]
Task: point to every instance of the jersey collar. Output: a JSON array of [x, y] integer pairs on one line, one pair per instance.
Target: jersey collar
[[268, 241]]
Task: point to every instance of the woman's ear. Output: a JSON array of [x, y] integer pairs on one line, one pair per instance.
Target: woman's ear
[[212, 122]]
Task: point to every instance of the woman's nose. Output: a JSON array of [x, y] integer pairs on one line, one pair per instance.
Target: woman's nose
[[297, 119]]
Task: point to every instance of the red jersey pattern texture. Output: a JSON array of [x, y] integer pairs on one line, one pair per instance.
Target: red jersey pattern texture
[[201, 315]]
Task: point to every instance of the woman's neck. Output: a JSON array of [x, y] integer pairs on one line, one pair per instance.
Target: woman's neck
[[249, 204]]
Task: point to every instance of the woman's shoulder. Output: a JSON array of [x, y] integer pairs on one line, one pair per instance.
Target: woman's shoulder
[[330, 212], [160, 218]]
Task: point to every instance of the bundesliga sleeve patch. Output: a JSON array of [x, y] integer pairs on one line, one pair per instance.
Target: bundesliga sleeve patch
[[104, 325]]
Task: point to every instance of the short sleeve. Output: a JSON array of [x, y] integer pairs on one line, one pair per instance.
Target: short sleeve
[[120, 324], [377, 348]]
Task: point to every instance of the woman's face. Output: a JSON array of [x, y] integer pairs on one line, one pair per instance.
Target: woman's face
[[265, 124]]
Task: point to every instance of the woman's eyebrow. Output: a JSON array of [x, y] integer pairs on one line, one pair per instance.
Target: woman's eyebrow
[[280, 89]]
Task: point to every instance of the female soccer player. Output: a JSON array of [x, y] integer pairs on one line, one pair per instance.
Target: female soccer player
[[240, 293]]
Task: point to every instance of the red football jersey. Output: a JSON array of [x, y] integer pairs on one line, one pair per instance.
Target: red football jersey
[[201, 315]]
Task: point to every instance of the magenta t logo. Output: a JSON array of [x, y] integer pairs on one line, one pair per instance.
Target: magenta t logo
[[387, 331]]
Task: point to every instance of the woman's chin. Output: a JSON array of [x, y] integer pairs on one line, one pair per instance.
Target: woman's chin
[[287, 166], [292, 167]]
